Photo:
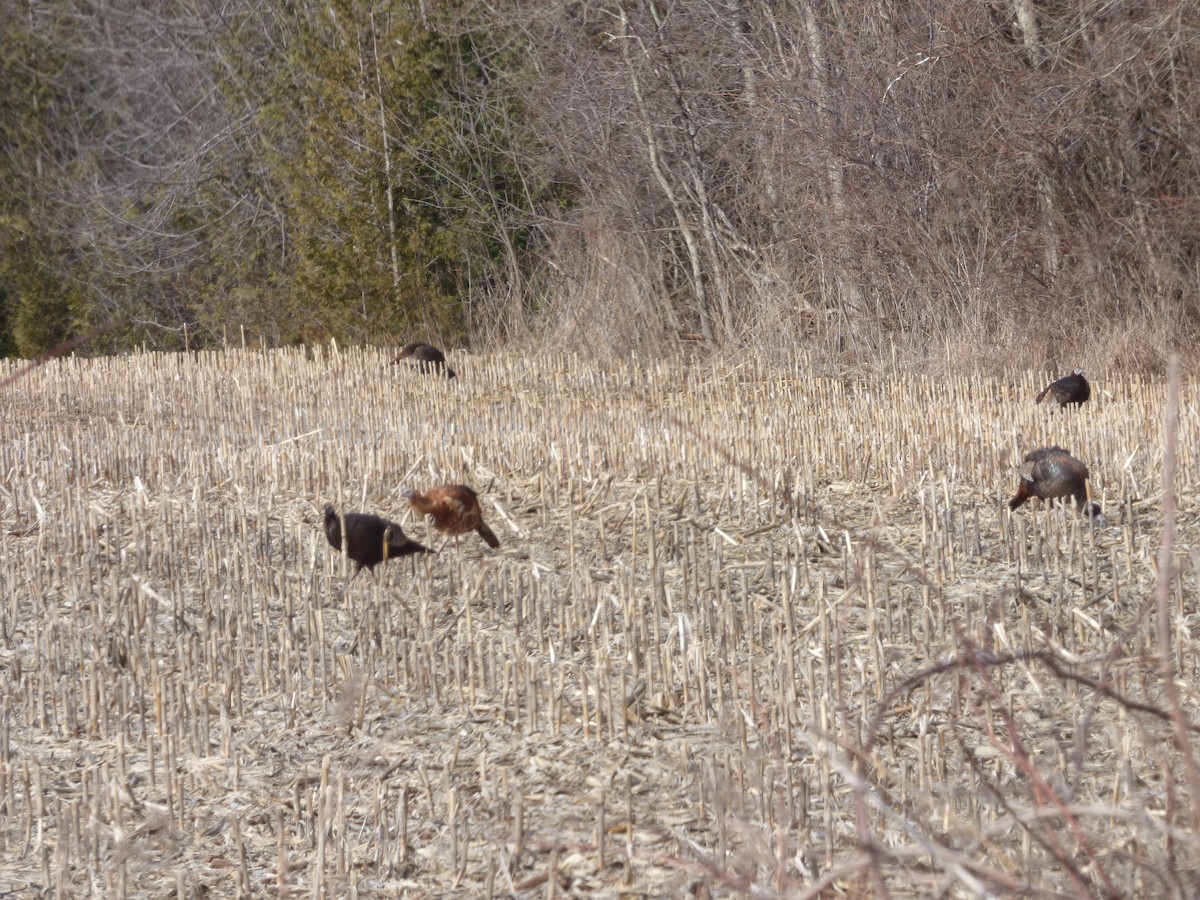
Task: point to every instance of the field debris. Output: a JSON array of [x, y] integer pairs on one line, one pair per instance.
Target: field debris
[[746, 633]]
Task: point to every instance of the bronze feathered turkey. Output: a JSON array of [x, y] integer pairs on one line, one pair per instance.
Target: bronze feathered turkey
[[1052, 472], [370, 539], [1073, 388], [426, 357], [454, 509]]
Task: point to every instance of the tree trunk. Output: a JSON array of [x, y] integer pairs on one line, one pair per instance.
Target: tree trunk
[[385, 141], [1026, 17], [850, 290], [657, 167]]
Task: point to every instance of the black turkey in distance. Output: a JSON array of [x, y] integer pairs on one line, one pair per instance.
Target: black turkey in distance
[[1070, 389], [426, 357]]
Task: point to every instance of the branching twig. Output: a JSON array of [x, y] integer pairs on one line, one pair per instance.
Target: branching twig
[[1162, 590]]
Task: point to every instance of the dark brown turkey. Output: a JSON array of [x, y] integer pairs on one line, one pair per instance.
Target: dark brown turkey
[[1073, 388], [1051, 472], [426, 357], [370, 539]]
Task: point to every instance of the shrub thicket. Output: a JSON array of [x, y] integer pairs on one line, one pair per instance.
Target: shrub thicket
[[861, 180]]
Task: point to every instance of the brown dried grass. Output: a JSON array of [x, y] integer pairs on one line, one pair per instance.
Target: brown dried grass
[[750, 631]]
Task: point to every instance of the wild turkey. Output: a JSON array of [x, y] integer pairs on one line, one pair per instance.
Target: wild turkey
[[455, 510], [1073, 388], [1052, 472], [370, 539], [426, 357]]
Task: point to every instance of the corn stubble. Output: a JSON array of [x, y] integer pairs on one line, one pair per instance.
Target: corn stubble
[[748, 627]]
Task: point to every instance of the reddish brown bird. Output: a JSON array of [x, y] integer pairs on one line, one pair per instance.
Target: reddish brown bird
[[1051, 472], [455, 510], [370, 539], [1073, 388], [426, 357]]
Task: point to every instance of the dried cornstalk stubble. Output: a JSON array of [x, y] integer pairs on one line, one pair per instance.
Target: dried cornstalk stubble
[[753, 622]]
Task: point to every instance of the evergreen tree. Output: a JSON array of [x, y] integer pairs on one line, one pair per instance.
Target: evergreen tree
[[395, 169], [39, 304]]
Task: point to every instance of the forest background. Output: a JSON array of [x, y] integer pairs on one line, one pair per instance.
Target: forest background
[[868, 181]]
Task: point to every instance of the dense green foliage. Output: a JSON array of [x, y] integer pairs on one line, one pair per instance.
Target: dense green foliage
[[40, 294], [365, 133], [362, 185]]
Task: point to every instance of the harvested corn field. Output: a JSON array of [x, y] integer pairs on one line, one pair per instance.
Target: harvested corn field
[[749, 631]]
